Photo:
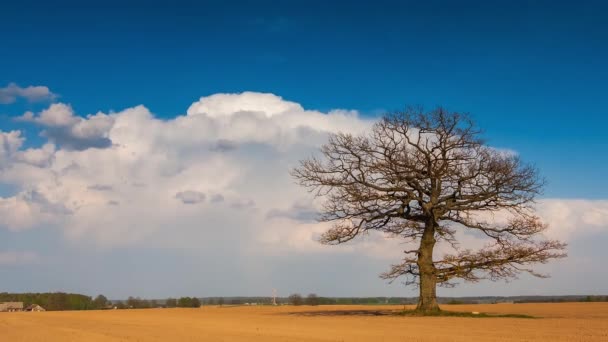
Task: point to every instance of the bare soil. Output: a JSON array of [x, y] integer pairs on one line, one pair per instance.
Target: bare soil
[[555, 322]]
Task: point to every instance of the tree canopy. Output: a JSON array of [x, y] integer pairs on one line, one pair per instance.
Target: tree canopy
[[423, 177]]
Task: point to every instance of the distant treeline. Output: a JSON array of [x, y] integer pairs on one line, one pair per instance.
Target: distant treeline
[[58, 301], [564, 299], [138, 303], [312, 299]]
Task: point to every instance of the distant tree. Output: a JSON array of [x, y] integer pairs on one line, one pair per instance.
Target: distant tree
[[120, 305], [138, 303], [184, 302], [131, 302], [296, 299], [188, 302], [326, 301], [220, 301], [344, 301], [196, 303], [312, 299], [100, 302], [58, 301], [171, 303], [422, 177]]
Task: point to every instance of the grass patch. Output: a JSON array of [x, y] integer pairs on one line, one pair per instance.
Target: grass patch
[[413, 313]]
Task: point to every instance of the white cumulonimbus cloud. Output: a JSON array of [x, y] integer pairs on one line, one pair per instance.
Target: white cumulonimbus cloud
[[215, 172], [216, 175]]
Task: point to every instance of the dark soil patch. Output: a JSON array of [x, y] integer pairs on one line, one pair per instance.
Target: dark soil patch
[[346, 313], [408, 313]]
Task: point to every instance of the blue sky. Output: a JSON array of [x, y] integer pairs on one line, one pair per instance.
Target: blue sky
[[533, 75]]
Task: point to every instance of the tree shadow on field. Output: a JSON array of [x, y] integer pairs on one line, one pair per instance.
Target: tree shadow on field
[[404, 313], [345, 313]]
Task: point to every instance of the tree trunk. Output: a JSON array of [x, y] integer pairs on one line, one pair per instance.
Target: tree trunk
[[427, 302]]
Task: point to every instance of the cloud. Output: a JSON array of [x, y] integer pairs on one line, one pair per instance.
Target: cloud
[[10, 153], [190, 197], [230, 104], [223, 145], [57, 115], [217, 198], [100, 187], [12, 92], [29, 209], [10, 142], [40, 157], [64, 128], [229, 154], [299, 211], [126, 193], [211, 184], [570, 218], [242, 203]]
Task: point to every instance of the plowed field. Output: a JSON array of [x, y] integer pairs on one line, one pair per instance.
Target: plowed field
[[557, 322]]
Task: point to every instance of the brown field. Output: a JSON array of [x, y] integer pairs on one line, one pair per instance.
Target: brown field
[[559, 322]]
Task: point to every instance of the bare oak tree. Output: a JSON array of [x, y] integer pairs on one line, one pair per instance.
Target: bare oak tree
[[422, 176]]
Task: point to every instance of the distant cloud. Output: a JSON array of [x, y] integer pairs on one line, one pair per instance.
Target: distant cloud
[[130, 192], [12, 92], [190, 197], [31, 209], [57, 115], [213, 182], [243, 204], [227, 105], [303, 212], [217, 198], [70, 131], [40, 157], [147, 159], [44, 204], [10, 143], [568, 218], [223, 145]]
